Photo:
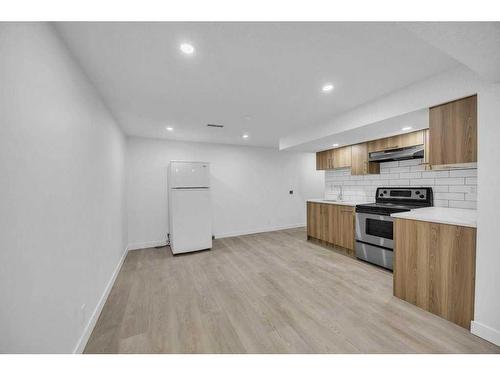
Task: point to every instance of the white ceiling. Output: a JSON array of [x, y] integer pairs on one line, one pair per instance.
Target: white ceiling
[[261, 78], [475, 44]]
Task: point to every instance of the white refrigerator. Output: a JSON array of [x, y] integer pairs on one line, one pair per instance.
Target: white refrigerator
[[189, 206]]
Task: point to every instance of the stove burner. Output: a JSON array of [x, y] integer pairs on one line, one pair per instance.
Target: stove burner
[[392, 200]]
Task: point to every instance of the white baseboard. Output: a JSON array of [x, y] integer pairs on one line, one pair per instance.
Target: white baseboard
[[145, 245], [485, 332], [82, 342], [148, 244], [262, 230]]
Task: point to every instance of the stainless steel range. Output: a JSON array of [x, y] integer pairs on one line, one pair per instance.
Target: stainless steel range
[[374, 224]]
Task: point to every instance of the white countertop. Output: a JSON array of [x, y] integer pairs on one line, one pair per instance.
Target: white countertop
[[442, 215], [341, 203]]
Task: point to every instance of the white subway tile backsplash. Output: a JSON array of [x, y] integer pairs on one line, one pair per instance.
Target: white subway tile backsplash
[[422, 182], [392, 176], [417, 168], [435, 174], [389, 164], [463, 189], [463, 204], [450, 181], [452, 188], [400, 170], [463, 173], [399, 182], [410, 175], [441, 203], [406, 163], [448, 196], [471, 196], [471, 181]]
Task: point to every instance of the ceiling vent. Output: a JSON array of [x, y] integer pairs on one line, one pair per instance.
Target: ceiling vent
[[215, 126]]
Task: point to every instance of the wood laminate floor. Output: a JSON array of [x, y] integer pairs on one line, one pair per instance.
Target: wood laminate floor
[[266, 293]]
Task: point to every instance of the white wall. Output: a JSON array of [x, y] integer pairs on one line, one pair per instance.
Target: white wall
[[487, 308], [249, 187], [61, 193], [452, 188]]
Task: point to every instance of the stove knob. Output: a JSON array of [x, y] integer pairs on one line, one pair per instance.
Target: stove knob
[[381, 194], [385, 191], [422, 196], [417, 192]]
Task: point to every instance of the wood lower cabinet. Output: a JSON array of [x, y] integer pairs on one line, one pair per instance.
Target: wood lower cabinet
[[434, 268], [359, 161], [453, 132], [344, 229], [332, 224]]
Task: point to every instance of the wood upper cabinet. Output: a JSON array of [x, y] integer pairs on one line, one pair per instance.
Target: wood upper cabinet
[[397, 141], [359, 161], [426, 146], [453, 132], [342, 157], [324, 160], [434, 268], [331, 223], [335, 158]]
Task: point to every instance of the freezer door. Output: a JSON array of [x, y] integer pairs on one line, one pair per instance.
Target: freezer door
[[190, 220], [189, 174]]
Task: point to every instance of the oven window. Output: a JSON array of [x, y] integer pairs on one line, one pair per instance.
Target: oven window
[[379, 228]]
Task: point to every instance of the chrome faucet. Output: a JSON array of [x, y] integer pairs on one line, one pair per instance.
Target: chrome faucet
[[340, 196]]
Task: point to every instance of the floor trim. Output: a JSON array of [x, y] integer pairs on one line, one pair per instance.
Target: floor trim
[[148, 244], [82, 342], [262, 230], [488, 333], [145, 245]]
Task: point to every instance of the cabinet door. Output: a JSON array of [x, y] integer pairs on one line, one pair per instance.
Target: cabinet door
[[434, 268], [324, 160], [359, 161], [397, 141], [411, 139], [324, 222], [453, 132], [345, 227], [426, 146], [333, 217], [383, 144], [342, 157], [313, 219], [330, 159], [321, 160]]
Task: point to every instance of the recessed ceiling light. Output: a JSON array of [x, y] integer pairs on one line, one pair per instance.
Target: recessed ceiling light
[[335, 144], [327, 87], [187, 48], [169, 128], [245, 136], [406, 128]]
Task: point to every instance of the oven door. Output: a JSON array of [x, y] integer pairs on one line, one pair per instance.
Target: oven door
[[375, 229]]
